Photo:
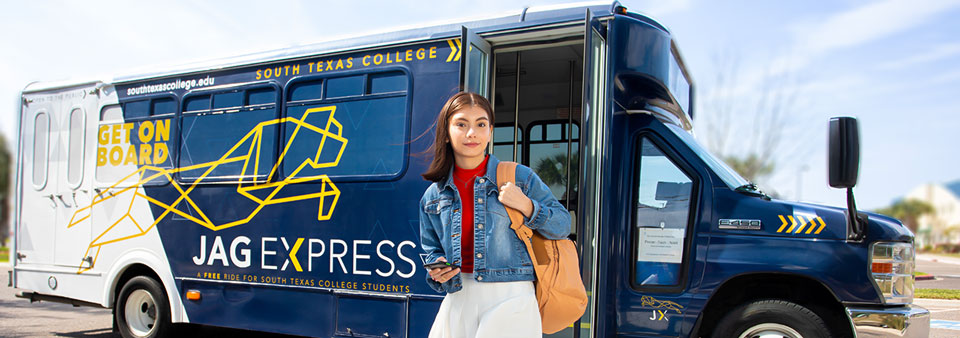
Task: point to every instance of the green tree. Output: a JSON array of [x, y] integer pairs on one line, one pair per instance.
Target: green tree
[[909, 211], [553, 171], [750, 166], [746, 118]]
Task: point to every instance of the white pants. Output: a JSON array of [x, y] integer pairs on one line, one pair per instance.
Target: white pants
[[481, 310]]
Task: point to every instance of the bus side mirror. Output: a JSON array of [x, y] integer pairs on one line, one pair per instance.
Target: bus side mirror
[[843, 156]]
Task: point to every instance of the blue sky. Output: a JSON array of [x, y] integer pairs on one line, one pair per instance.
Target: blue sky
[[892, 64]]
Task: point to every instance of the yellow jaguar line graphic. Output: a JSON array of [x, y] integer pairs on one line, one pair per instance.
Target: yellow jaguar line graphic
[[247, 151], [647, 301]]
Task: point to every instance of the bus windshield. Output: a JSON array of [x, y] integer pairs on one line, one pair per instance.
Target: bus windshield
[[727, 174]]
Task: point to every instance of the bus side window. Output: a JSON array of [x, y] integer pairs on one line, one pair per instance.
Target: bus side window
[[503, 142], [547, 148], [41, 138], [75, 148], [133, 135], [229, 136], [662, 206], [357, 131]]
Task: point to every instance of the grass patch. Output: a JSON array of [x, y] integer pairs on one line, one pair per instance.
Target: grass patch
[[920, 273], [4, 254], [937, 293]]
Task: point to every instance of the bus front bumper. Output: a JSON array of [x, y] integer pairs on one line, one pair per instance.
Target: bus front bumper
[[903, 321]]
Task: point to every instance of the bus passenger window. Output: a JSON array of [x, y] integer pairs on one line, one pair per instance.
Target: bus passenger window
[[196, 103], [75, 148], [136, 109], [547, 145], [137, 136], [163, 106], [261, 96], [358, 137], [228, 100], [503, 142], [345, 86], [229, 141], [41, 128], [387, 83], [662, 207], [311, 90]]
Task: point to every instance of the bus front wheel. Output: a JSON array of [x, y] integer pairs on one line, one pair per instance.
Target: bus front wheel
[[771, 317], [142, 309]]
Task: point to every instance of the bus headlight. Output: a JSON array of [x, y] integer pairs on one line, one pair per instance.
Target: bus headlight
[[892, 265]]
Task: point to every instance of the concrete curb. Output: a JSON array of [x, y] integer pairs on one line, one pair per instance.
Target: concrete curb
[[925, 277], [938, 258]]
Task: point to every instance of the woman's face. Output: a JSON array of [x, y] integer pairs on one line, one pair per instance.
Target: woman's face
[[469, 133]]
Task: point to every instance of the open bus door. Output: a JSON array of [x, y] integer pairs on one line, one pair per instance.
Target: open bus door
[[475, 63], [592, 144]]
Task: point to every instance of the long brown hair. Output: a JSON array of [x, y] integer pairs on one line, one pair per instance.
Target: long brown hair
[[441, 148]]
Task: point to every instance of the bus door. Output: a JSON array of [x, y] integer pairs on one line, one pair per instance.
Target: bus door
[[538, 87], [51, 144], [475, 63], [592, 134], [38, 216], [74, 151]]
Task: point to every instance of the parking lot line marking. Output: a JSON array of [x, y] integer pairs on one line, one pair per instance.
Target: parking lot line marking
[[944, 324], [942, 310]]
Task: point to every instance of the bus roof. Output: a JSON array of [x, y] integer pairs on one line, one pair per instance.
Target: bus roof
[[527, 17]]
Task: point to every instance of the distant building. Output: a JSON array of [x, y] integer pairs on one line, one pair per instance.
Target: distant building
[[943, 227]]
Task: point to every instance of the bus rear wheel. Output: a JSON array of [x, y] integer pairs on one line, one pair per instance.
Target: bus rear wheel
[[142, 309], [771, 318]]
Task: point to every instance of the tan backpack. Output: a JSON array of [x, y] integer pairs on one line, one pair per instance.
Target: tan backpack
[[560, 292]]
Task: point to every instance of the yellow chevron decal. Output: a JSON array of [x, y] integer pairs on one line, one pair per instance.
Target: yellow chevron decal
[[784, 225], [800, 222], [455, 48], [793, 223], [822, 225], [803, 223]]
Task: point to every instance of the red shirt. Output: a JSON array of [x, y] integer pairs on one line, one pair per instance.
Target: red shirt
[[463, 179]]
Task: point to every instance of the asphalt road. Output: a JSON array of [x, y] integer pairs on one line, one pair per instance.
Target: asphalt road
[[946, 272], [20, 318]]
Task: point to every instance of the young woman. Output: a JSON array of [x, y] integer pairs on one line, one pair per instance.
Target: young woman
[[463, 221]]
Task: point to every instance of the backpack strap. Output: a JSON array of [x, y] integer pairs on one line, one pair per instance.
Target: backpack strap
[[507, 172]]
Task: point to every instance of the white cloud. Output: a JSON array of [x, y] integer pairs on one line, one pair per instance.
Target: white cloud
[[857, 26], [937, 53], [868, 23]]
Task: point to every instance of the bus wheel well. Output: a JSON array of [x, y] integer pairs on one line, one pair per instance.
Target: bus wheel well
[[797, 289], [133, 271]]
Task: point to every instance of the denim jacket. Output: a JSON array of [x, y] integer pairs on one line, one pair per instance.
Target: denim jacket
[[499, 256]]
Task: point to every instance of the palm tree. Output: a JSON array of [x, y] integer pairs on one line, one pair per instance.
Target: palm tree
[[909, 211], [553, 171]]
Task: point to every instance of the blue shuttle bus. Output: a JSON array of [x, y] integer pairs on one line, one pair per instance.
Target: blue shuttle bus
[[279, 191]]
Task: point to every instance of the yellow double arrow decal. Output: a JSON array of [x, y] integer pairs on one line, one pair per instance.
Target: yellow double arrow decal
[[803, 222], [455, 48]]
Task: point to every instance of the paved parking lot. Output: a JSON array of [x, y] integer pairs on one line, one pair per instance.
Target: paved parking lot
[[20, 318]]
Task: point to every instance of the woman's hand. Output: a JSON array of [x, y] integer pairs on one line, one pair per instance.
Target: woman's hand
[[443, 274], [511, 196]]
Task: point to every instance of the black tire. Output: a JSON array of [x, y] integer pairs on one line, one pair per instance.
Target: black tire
[[771, 316], [142, 309]]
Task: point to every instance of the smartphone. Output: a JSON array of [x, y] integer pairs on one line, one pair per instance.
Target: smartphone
[[437, 265]]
